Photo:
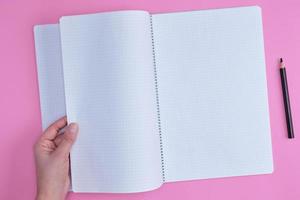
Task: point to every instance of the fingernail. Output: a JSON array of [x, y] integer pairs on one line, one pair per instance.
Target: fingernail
[[73, 128]]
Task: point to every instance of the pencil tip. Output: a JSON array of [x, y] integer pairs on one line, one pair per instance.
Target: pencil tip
[[281, 60]]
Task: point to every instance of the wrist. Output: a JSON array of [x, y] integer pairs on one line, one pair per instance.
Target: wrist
[[43, 195]]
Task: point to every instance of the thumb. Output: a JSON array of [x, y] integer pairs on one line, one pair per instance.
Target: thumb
[[68, 139]]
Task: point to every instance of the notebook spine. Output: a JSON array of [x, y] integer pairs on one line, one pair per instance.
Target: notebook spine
[[157, 101]]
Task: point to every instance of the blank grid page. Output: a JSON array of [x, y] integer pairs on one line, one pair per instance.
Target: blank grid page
[[110, 92], [213, 93], [50, 73]]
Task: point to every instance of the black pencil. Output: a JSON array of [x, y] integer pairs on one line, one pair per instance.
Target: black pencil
[[286, 99]]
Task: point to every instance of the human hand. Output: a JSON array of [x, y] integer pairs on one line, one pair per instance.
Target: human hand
[[52, 160]]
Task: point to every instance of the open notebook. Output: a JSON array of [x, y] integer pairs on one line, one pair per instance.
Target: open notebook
[[158, 97]]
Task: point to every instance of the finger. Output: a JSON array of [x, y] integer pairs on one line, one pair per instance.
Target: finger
[[52, 131], [58, 139], [67, 141], [59, 136]]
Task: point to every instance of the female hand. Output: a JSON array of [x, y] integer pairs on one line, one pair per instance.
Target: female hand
[[52, 160]]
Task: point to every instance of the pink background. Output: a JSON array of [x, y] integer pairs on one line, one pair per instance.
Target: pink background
[[20, 122]]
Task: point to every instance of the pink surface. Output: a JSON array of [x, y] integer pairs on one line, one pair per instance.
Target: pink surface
[[20, 122]]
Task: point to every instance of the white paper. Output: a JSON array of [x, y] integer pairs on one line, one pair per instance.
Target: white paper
[[110, 92], [213, 93], [50, 73]]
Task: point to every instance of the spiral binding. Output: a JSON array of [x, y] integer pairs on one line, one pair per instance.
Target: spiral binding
[[157, 102]]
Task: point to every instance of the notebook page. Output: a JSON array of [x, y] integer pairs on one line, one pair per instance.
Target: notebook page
[[50, 73], [110, 92], [213, 93]]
